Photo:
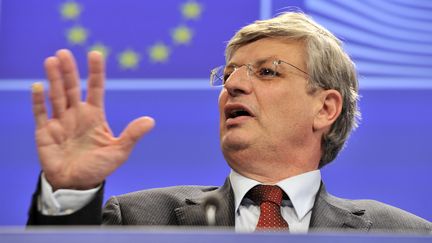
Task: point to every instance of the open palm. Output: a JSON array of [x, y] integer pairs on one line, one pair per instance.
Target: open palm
[[76, 147]]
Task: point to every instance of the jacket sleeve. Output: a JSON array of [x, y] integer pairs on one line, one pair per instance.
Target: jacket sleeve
[[91, 214]]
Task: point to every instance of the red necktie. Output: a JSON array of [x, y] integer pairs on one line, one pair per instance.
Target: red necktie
[[269, 198]]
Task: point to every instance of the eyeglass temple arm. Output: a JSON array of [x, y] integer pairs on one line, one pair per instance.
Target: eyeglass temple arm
[[295, 67]]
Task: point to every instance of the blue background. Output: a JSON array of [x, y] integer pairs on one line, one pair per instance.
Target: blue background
[[388, 158]]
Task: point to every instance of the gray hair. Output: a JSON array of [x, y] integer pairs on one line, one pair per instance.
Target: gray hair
[[328, 65]]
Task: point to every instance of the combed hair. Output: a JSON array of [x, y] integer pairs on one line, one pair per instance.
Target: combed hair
[[328, 65]]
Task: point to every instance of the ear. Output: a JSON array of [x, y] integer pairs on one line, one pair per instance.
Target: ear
[[330, 107]]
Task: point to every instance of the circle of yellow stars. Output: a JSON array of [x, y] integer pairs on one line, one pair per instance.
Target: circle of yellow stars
[[77, 35], [182, 35], [159, 52], [70, 10], [129, 58], [191, 10]]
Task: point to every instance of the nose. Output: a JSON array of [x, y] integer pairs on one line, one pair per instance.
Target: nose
[[239, 82]]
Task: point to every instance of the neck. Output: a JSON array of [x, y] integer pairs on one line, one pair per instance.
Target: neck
[[272, 177], [271, 170]]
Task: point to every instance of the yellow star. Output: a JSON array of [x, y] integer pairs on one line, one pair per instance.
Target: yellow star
[[70, 10], [77, 35], [182, 35], [159, 52], [129, 59], [191, 10], [104, 50]]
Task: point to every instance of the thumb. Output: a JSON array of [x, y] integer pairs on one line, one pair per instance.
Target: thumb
[[135, 130]]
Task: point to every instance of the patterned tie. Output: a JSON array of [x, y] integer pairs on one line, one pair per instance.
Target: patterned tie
[[269, 198]]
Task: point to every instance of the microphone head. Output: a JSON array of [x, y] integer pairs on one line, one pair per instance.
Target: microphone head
[[212, 200], [211, 205]]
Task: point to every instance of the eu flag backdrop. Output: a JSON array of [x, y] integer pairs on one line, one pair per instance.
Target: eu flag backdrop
[[141, 39]]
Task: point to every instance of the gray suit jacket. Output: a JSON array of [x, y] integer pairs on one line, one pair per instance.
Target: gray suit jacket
[[183, 206]]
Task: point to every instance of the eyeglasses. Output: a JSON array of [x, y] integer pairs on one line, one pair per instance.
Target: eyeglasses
[[264, 70]]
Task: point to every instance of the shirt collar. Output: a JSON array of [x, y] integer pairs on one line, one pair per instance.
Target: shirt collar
[[301, 189], [240, 185]]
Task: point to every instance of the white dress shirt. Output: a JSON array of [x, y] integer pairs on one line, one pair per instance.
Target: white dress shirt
[[296, 211], [300, 189], [62, 201]]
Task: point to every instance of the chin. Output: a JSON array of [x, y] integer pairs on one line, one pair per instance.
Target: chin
[[237, 155], [233, 143], [236, 139]]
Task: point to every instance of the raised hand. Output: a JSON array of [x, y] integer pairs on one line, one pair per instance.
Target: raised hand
[[76, 147]]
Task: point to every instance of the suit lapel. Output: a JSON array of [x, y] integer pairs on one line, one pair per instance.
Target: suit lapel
[[333, 213], [193, 213], [329, 212]]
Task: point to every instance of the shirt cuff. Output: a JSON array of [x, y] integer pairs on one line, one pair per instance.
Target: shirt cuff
[[62, 201]]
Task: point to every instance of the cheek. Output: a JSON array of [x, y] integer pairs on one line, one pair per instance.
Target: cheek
[[298, 114], [290, 110]]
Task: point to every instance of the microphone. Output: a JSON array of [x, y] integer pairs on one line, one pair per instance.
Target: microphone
[[211, 206]]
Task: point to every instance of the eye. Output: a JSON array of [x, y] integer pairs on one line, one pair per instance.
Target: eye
[[227, 72], [226, 75], [267, 72]]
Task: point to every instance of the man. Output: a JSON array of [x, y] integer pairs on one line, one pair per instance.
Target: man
[[287, 106]]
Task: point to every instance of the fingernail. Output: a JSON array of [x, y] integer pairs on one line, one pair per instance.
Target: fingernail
[[37, 87]]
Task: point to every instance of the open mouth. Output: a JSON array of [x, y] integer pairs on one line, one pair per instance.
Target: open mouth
[[234, 111], [238, 112]]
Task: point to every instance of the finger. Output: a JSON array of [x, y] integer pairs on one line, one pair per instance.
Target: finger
[[70, 76], [135, 130], [96, 80], [56, 90], [38, 105]]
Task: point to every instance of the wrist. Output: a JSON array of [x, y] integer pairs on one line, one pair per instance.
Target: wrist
[[58, 184]]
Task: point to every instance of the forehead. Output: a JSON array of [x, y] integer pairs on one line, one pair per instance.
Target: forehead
[[287, 50]]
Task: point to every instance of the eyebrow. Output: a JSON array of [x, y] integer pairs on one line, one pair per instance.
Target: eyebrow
[[259, 61]]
